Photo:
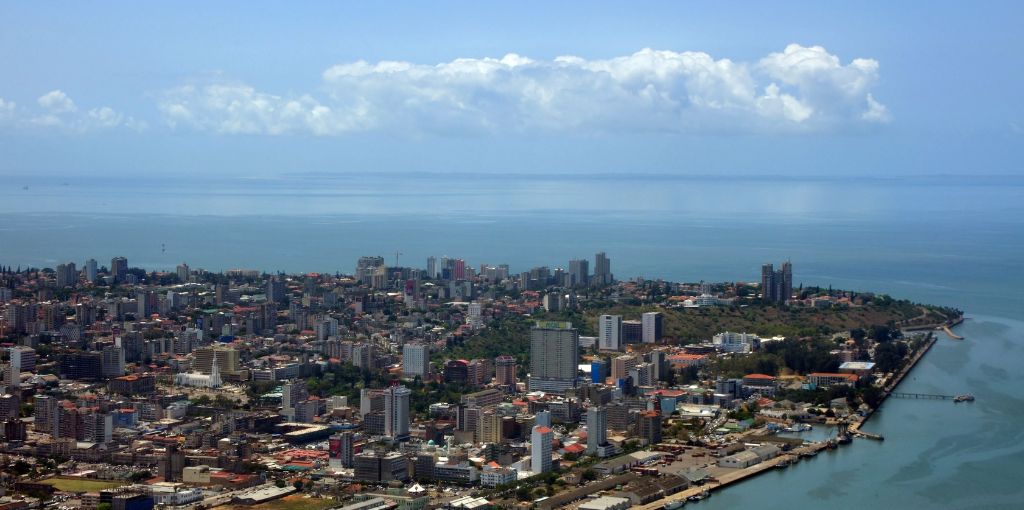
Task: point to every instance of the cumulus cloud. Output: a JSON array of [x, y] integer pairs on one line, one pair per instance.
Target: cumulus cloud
[[6, 109], [57, 101], [58, 111], [800, 89]]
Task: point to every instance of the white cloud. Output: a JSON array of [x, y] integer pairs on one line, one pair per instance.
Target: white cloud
[[6, 109], [57, 102], [801, 89], [58, 111]]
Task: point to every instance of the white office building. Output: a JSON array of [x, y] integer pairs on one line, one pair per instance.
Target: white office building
[[609, 330], [540, 449], [416, 360], [396, 411]]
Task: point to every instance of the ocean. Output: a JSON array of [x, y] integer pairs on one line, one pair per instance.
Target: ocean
[[950, 240]]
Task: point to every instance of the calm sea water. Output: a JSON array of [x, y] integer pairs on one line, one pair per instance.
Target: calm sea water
[[954, 241]]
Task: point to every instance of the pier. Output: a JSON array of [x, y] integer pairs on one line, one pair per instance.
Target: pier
[[927, 396]]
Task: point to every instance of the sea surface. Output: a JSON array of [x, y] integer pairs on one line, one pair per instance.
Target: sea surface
[[949, 240]]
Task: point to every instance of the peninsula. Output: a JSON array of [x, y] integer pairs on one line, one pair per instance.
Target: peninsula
[[444, 386]]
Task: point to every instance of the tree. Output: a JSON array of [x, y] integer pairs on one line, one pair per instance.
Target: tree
[[104, 506], [277, 483]]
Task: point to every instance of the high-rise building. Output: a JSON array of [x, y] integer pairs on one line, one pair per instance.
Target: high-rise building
[[597, 429], [119, 269], [275, 290], [459, 269], [67, 275], [609, 330], [341, 449], [183, 272], [777, 286], [649, 426], [642, 374], [98, 427], [379, 466], [505, 371], [12, 377], [632, 333], [473, 316], [47, 415], [396, 411], [416, 360], [540, 449], [431, 267], [602, 269], [172, 464], [112, 361], [579, 273], [599, 371], [23, 357], [146, 302], [621, 365], [554, 354], [651, 322], [542, 418], [91, 271], [366, 268], [226, 360], [292, 392]]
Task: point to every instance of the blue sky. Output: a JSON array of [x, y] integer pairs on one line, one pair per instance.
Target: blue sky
[[251, 88]]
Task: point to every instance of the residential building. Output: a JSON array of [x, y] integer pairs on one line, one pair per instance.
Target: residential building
[[540, 449], [554, 357], [505, 369]]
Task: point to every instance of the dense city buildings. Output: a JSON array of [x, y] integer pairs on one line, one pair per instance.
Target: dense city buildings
[[393, 376]]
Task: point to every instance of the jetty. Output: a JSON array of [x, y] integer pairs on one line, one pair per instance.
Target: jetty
[[951, 334], [927, 396]]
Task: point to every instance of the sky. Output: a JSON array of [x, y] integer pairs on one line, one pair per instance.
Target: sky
[[262, 89]]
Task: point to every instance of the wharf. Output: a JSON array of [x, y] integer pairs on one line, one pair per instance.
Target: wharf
[[888, 390], [854, 429], [736, 476]]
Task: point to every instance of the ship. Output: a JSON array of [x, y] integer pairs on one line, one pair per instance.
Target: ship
[[674, 504], [964, 398]]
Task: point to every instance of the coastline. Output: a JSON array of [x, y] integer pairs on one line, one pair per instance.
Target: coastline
[[854, 429]]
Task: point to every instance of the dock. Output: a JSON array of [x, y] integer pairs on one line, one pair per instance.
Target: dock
[[737, 476], [951, 334], [852, 429]]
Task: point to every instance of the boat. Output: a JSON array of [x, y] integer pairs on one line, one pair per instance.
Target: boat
[[809, 454], [964, 398], [674, 504], [797, 427], [782, 464], [698, 497]]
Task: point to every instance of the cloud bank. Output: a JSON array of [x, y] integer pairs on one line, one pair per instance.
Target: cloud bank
[[800, 89], [58, 111]]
